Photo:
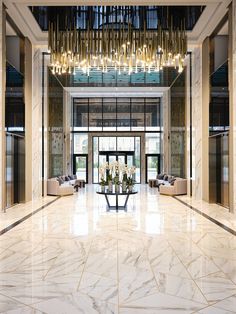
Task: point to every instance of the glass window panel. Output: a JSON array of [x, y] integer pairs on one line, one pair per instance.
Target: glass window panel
[[95, 160], [152, 167], [80, 114], [95, 77], [107, 144], [123, 79], [109, 77], [95, 114], [109, 114], [138, 78], [153, 143], [81, 167], [123, 114], [80, 143], [137, 114], [125, 144], [152, 114]]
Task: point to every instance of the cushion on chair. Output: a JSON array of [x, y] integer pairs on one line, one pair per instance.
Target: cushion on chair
[[165, 178], [60, 180], [170, 178]]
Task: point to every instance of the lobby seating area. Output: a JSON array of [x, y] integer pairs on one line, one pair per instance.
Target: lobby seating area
[[177, 187], [64, 185], [169, 185]]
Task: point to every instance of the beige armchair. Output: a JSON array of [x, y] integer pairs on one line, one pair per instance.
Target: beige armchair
[[179, 187], [53, 188]]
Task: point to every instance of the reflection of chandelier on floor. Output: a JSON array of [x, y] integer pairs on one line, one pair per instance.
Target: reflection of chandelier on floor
[[114, 44]]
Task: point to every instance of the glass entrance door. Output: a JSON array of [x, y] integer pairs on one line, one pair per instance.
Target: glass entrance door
[[152, 166], [81, 167]]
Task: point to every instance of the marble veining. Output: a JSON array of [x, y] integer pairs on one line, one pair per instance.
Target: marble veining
[[158, 257]]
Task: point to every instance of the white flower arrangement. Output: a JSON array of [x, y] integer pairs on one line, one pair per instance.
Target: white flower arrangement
[[117, 169]]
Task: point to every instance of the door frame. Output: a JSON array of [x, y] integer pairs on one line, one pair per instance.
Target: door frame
[[117, 153], [74, 164], [146, 164]]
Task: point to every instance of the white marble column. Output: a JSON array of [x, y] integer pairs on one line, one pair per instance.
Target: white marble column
[[188, 123], [37, 125], [28, 120], [166, 131], [205, 117], [2, 104], [232, 109], [197, 122]]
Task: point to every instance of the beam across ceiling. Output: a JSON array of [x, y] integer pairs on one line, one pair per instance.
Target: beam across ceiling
[[20, 13]]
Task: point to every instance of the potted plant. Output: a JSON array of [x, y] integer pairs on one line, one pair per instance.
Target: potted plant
[[130, 183], [109, 182], [124, 181], [117, 183], [103, 184]]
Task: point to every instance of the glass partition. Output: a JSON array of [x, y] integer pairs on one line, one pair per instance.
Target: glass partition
[[137, 114], [95, 114], [117, 114]]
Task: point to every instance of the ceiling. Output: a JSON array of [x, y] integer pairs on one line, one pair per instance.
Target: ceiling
[[19, 11], [93, 17]]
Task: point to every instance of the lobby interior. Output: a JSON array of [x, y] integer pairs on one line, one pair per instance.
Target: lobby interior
[[85, 90]]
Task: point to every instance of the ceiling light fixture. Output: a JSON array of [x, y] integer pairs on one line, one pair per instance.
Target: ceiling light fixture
[[114, 43]]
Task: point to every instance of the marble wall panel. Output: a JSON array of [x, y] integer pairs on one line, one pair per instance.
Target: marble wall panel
[[197, 122], [37, 125]]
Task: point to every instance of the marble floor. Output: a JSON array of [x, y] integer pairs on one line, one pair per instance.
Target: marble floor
[[158, 257]]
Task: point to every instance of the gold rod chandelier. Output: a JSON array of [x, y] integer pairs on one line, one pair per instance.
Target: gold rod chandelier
[[117, 45]]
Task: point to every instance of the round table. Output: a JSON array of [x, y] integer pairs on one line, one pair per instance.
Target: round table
[[107, 193]]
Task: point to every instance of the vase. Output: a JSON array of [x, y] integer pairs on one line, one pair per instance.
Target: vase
[[110, 186], [124, 187], [117, 188], [130, 188], [102, 188]]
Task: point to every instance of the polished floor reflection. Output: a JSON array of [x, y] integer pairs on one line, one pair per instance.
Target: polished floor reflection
[[75, 257]]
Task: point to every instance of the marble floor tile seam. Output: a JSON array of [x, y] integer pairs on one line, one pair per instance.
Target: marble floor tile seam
[[230, 226], [84, 267], [150, 307], [214, 304], [26, 217], [22, 209], [212, 260], [15, 300], [205, 276], [192, 278]]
